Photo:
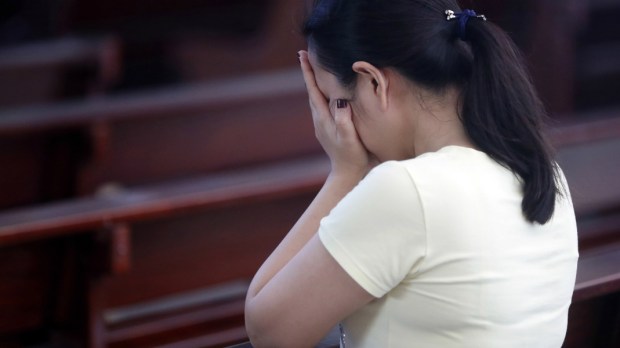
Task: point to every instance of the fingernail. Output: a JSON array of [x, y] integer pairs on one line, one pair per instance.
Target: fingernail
[[341, 103]]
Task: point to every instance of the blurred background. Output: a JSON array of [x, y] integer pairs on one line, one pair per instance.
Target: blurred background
[[154, 152]]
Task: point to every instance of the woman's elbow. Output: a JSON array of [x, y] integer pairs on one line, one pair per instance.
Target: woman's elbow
[[257, 328], [263, 332]]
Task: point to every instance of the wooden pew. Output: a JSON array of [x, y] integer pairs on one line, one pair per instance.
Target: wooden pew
[[114, 140], [42, 167], [572, 48], [598, 53], [193, 130], [194, 41], [144, 203], [153, 136], [272, 46], [547, 32], [164, 261], [58, 69], [588, 154], [101, 130]]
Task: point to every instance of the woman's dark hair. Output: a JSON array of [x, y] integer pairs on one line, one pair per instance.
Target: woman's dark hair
[[500, 109]]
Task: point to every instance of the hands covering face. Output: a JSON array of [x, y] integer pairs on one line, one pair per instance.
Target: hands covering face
[[334, 128]]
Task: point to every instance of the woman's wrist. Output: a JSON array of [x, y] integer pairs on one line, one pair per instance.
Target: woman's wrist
[[352, 170], [347, 180]]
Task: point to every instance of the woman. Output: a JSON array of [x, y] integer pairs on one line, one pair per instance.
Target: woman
[[463, 232]]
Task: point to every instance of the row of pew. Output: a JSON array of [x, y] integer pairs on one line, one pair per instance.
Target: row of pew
[[139, 165], [181, 193]]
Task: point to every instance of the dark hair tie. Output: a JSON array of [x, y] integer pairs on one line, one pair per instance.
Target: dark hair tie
[[463, 18]]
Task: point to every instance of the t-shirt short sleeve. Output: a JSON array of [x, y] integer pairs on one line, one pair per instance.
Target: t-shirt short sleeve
[[377, 233]]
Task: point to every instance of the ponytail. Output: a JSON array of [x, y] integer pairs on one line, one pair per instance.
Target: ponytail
[[500, 110], [502, 114]]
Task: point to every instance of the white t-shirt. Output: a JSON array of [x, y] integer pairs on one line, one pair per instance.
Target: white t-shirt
[[442, 243]]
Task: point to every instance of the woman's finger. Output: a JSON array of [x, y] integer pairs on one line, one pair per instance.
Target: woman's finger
[[344, 123], [317, 99]]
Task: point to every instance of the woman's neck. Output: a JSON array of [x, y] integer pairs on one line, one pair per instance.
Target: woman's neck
[[436, 122]]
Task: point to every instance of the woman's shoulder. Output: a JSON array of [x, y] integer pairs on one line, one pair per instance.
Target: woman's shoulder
[[456, 170], [453, 163], [448, 156], [452, 171], [389, 176]]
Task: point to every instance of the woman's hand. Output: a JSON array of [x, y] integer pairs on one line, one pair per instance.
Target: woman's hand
[[334, 128]]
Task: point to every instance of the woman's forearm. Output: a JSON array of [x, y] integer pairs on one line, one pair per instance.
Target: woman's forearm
[[335, 188]]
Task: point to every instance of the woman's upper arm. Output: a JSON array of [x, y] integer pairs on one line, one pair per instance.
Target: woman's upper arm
[[365, 247], [310, 295]]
